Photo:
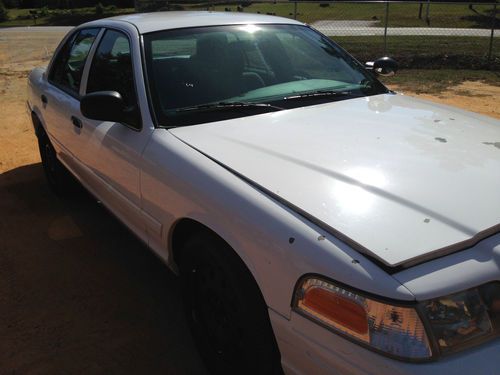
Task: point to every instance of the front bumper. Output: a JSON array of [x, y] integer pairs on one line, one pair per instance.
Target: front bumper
[[306, 348]]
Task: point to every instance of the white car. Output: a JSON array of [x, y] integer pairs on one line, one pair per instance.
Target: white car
[[321, 223]]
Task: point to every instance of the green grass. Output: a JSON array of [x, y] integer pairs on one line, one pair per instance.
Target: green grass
[[58, 17], [16, 18], [425, 51], [437, 81], [400, 15]]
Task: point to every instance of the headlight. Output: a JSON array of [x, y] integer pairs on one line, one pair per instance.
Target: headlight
[[465, 318], [393, 329], [396, 329]]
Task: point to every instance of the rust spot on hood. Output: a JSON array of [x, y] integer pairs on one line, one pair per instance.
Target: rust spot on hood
[[494, 144], [442, 140]]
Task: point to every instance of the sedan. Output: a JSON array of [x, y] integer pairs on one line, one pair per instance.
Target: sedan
[[320, 222]]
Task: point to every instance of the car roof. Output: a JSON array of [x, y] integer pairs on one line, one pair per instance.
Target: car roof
[[150, 22]]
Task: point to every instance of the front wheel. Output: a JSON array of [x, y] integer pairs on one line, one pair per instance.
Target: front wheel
[[225, 310], [57, 176]]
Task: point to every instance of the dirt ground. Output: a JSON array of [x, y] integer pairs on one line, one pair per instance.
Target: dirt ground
[[470, 95], [78, 293]]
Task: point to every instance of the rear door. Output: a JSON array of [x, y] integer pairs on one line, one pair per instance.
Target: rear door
[[62, 97]]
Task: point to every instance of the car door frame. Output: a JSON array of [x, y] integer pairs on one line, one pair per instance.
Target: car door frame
[[107, 191], [61, 125]]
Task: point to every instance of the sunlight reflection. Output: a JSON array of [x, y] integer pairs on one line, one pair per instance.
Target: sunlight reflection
[[250, 28], [368, 176], [355, 199]]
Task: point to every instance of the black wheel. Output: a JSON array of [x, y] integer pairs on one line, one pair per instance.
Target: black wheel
[[57, 176], [226, 311]]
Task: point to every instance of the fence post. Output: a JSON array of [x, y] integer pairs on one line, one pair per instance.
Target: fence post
[[295, 10], [427, 17], [492, 36], [385, 26]]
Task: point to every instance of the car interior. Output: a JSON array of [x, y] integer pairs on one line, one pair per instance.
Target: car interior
[[218, 69]]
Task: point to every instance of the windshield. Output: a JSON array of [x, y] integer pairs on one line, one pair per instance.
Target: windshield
[[197, 75]]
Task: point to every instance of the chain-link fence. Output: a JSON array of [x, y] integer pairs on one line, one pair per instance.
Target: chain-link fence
[[419, 34]]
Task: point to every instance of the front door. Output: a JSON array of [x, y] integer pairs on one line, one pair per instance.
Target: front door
[[112, 151]]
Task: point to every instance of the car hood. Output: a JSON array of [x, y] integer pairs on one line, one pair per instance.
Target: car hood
[[400, 179]]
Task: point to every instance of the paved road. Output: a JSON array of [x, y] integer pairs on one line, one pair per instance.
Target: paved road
[[31, 29], [346, 28]]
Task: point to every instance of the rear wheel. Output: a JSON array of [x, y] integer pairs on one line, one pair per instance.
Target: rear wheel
[[226, 311]]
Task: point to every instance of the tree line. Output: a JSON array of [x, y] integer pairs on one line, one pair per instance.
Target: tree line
[[66, 4]]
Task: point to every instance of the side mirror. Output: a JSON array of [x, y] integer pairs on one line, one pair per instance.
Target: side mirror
[[385, 66], [108, 106]]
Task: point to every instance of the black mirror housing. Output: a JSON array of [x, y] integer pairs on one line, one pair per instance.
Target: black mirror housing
[[108, 106], [384, 66]]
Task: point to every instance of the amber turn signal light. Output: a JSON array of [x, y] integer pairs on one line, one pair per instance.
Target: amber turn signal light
[[393, 329], [336, 308]]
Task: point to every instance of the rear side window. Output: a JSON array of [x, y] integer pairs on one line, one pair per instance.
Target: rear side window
[[67, 70], [111, 68]]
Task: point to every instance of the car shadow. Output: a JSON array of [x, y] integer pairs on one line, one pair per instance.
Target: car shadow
[[80, 293]]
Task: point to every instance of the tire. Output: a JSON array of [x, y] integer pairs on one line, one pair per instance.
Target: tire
[[57, 176], [225, 310]]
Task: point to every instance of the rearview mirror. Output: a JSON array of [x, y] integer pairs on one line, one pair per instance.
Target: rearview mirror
[[108, 106], [385, 66]]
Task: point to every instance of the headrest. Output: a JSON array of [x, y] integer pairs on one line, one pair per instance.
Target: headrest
[[211, 45]]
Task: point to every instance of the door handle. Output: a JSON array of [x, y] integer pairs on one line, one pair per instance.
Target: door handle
[[76, 122], [44, 99]]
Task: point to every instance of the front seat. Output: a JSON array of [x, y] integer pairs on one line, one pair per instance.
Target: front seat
[[209, 68]]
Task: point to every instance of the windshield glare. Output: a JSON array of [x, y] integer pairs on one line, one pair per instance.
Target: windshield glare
[[247, 63]]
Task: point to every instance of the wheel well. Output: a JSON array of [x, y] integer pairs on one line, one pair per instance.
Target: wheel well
[[183, 230], [239, 275], [186, 229]]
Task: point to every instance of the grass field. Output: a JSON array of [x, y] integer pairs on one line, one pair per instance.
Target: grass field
[[59, 17], [400, 15], [425, 51]]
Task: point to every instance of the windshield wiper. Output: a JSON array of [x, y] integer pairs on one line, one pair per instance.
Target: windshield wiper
[[221, 106], [319, 94]]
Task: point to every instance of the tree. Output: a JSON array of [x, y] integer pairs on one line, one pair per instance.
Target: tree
[[4, 14], [29, 4], [99, 9], [11, 3]]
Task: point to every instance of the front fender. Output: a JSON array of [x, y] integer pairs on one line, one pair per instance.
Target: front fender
[[277, 245]]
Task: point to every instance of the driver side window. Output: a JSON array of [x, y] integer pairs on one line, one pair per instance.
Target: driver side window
[[111, 68]]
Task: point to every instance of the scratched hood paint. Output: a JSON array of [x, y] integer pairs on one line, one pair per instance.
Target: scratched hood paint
[[400, 178]]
